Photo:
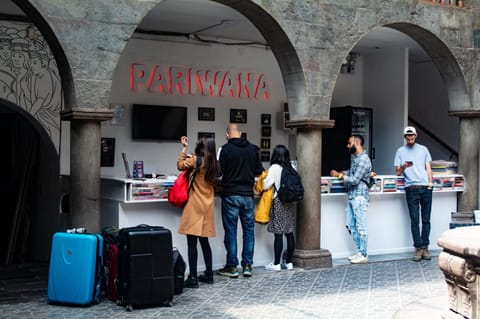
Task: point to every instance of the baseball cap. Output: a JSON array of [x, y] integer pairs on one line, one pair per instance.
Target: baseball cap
[[409, 130]]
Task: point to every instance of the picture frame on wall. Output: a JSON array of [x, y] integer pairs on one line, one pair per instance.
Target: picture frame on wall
[[206, 135], [266, 119], [265, 143], [238, 116], [266, 131], [265, 156], [107, 149], [206, 114]]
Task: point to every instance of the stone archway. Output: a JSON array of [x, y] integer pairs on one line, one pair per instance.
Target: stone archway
[[30, 188], [30, 113]]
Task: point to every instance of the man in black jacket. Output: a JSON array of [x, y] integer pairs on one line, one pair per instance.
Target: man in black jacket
[[240, 163]]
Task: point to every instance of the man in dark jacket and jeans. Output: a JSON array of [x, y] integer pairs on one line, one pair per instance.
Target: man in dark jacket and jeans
[[240, 163]]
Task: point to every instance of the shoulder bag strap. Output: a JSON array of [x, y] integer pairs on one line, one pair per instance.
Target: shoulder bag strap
[[192, 178]]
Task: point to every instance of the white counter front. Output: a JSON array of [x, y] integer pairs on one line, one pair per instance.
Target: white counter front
[[388, 223], [388, 220]]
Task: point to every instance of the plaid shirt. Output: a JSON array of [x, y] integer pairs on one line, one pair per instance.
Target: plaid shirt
[[360, 168]]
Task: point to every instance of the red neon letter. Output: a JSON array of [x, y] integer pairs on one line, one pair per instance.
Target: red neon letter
[[263, 90], [137, 77], [179, 77], [247, 85], [228, 86], [157, 82]]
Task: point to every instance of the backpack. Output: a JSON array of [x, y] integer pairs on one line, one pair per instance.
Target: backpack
[[291, 188], [179, 268]]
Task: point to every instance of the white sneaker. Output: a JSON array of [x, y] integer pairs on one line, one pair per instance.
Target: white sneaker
[[360, 259], [289, 266], [354, 256], [272, 267]]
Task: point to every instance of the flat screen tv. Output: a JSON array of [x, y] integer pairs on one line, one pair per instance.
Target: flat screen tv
[[156, 122]]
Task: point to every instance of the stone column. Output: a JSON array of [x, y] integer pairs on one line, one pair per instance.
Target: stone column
[[460, 264], [468, 158], [308, 253], [85, 135]]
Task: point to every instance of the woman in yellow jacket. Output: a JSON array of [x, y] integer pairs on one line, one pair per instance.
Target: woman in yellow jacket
[[197, 221]]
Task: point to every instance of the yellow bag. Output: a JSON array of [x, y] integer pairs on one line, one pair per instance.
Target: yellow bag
[[262, 211]]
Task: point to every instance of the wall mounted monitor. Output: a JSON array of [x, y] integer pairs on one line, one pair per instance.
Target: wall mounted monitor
[[158, 122]]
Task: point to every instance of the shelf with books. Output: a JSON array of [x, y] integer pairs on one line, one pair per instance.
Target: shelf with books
[[129, 190], [394, 184]]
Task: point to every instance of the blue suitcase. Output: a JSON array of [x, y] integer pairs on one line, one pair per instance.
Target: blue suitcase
[[75, 268]]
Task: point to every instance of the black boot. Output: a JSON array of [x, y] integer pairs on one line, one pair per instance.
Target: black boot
[[207, 277], [191, 282]]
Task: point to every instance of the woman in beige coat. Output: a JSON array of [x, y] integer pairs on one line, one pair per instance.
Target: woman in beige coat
[[197, 220]]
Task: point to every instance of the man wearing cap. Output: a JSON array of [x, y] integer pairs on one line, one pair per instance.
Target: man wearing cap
[[412, 160]]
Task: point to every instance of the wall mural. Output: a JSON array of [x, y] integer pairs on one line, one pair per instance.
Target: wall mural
[[29, 75]]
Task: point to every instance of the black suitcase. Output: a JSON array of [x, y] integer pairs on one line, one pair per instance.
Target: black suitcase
[[145, 274]]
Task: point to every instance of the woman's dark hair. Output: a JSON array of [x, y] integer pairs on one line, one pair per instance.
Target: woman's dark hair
[[281, 156], [207, 149]]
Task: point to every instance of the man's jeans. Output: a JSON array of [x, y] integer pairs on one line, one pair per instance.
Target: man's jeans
[[419, 197], [357, 222], [232, 208]]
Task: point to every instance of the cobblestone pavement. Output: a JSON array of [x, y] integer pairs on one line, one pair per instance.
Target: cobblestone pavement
[[374, 290]]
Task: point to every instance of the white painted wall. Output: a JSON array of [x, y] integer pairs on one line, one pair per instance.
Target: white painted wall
[[428, 92], [349, 87], [160, 157], [386, 92]]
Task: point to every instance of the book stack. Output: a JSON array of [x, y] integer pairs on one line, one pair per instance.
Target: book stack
[[377, 187], [400, 183], [459, 182], [461, 219], [389, 185], [337, 186], [324, 186], [437, 183], [443, 167]]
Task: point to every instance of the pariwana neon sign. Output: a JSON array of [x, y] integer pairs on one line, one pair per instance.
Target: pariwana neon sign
[[182, 81]]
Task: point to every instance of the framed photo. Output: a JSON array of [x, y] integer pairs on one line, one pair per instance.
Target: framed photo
[[238, 116], [107, 155], [266, 119], [266, 131], [265, 156], [206, 114], [265, 143], [206, 135], [118, 114]]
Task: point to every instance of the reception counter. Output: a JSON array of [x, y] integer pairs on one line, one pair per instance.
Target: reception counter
[[127, 202]]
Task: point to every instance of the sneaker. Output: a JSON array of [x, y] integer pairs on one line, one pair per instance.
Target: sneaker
[[359, 259], [207, 277], [354, 256], [426, 254], [418, 254], [191, 282], [247, 271], [289, 266], [229, 271], [273, 267]]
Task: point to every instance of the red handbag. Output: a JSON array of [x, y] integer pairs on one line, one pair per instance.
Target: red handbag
[[178, 194]]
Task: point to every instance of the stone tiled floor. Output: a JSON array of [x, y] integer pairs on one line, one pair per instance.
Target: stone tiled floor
[[380, 289]]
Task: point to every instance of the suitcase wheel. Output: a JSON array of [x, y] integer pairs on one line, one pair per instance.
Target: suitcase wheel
[[129, 307]]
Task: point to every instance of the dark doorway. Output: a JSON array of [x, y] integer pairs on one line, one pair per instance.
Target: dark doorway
[[29, 189]]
